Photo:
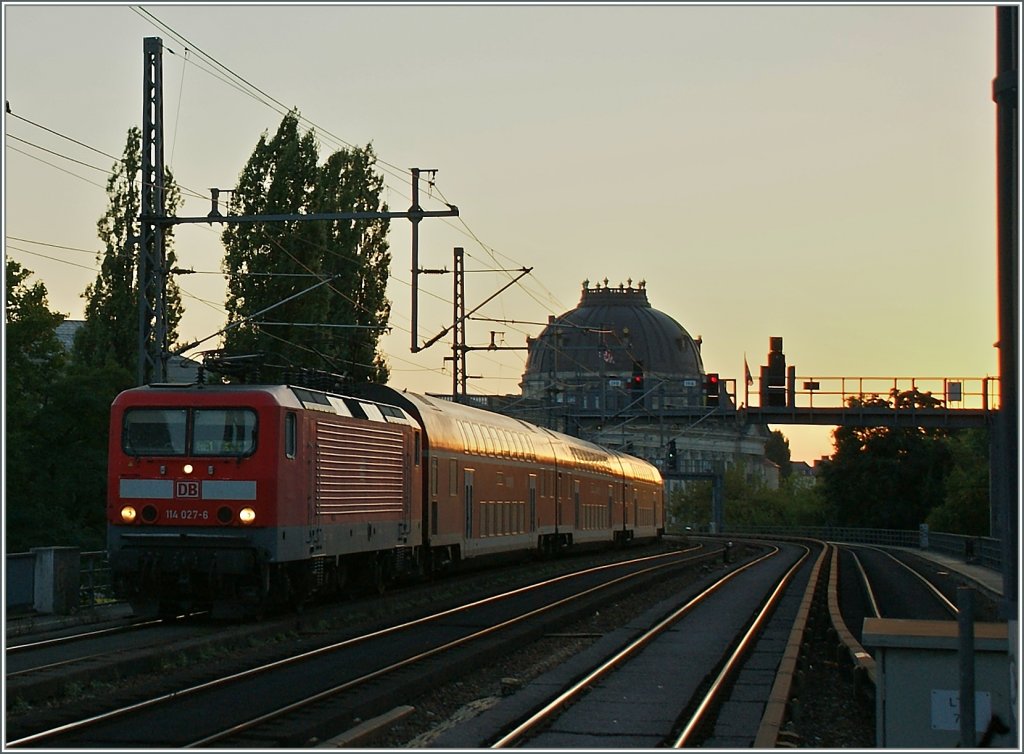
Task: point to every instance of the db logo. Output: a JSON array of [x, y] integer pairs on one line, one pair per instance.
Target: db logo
[[186, 488]]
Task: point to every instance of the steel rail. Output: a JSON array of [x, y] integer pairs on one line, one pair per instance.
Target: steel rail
[[70, 639], [252, 672], [867, 584], [57, 664], [578, 688]]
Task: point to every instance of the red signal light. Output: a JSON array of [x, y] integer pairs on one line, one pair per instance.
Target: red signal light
[[711, 391]]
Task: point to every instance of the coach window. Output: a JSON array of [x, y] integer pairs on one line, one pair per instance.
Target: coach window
[[478, 440], [433, 477], [453, 481], [290, 437], [416, 451]]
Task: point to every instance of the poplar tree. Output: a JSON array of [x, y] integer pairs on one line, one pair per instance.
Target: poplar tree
[[110, 333], [887, 477], [268, 263], [359, 251]]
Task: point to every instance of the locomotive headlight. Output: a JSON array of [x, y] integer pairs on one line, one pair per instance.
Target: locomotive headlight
[[188, 468], [128, 514], [247, 515]]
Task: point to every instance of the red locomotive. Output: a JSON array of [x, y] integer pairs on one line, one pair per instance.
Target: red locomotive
[[237, 497]]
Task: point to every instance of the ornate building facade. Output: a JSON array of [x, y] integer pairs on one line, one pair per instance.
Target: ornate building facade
[[618, 372]]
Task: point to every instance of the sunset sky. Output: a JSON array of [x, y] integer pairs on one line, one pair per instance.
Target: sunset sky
[[822, 173]]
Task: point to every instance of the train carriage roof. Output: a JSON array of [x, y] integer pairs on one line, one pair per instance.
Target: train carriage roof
[[456, 426]]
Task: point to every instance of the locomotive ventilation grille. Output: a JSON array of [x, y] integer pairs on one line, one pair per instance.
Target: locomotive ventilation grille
[[359, 470]]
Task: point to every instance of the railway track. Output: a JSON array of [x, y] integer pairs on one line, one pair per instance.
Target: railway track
[[870, 582], [896, 589], [814, 683], [286, 701], [27, 655], [662, 679], [433, 651], [570, 717]]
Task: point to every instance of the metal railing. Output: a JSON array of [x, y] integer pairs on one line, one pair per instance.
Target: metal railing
[[806, 391], [984, 551], [94, 585]]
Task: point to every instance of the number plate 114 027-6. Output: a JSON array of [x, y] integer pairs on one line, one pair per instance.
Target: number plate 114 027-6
[[187, 514]]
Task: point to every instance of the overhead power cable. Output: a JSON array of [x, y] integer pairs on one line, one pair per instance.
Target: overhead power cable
[[46, 256], [56, 167], [57, 133]]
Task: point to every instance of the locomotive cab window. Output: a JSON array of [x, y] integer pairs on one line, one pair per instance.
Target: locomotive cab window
[[290, 434], [177, 432], [154, 432], [224, 432]]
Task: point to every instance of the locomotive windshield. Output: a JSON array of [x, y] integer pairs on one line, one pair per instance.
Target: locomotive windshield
[[223, 432], [199, 432]]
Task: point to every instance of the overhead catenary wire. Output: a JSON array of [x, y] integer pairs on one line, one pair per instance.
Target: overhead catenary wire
[[56, 167], [186, 191]]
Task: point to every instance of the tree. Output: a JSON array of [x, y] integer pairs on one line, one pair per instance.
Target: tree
[[34, 354], [35, 361], [749, 502], [885, 477], [264, 260], [359, 253], [965, 507], [110, 332], [776, 450]]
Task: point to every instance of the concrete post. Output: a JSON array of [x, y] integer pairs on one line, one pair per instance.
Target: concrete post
[[56, 580]]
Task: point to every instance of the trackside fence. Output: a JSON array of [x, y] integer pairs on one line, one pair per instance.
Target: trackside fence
[[984, 551], [57, 580]]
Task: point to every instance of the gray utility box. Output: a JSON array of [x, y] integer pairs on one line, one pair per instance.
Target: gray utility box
[[917, 689]]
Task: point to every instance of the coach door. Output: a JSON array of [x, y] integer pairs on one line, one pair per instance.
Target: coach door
[[576, 502], [533, 503], [610, 520], [558, 501], [468, 484]]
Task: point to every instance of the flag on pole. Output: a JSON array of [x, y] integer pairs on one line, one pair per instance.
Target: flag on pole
[[746, 371]]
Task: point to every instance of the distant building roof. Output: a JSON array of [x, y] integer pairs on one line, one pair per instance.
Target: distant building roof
[[179, 368], [66, 332], [801, 467], [608, 331]]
